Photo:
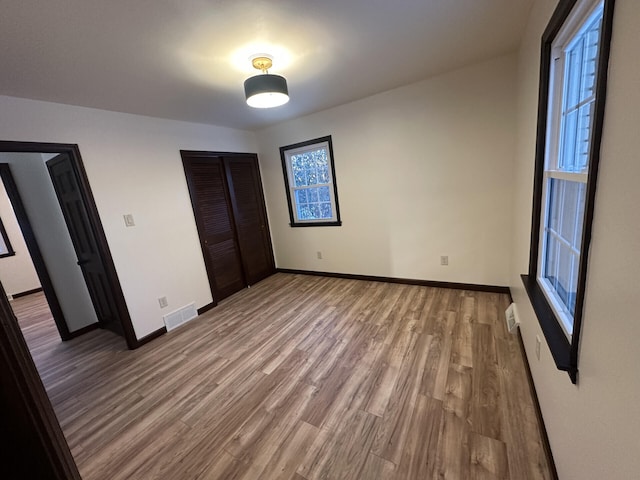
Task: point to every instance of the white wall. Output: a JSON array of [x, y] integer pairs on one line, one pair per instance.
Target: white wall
[[593, 427], [30, 173], [422, 171], [16, 273], [133, 165]]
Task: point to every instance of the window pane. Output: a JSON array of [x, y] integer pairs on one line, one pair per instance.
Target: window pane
[[312, 194], [304, 212], [578, 99], [574, 75], [324, 194], [320, 158], [566, 210], [551, 261], [323, 174], [563, 272], [569, 210], [555, 200], [315, 211], [299, 177], [303, 160], [568, 143], [312, 176], [301, 196], [563, 237], [325, 210], [583, 135], [590, 55]]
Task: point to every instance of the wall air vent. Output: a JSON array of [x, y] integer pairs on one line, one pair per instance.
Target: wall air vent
[[511, 314], [179, 317]]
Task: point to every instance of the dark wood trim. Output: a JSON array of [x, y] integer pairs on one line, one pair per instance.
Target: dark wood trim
[[94, 217], [206, 308], [565, 353], [316, 224], [534, 395], [83, 330], [7, 243], [283, 150], [553, 333], [594, 164], [152, 336], [105, 252], [33, 445], [28, 292], [34, 250], [405, 281], [206, 153]]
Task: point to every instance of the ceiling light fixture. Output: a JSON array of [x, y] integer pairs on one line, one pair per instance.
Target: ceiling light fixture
[[266, 90]]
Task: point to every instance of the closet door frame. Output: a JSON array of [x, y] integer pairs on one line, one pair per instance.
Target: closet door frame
[[187, 157]]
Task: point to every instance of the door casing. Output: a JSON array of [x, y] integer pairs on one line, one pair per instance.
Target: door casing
[[223, 157], [94, 219]]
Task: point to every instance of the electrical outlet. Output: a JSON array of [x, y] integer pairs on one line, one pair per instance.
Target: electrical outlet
[[163, 302], [319, 255], [444, 260], [538, 342]]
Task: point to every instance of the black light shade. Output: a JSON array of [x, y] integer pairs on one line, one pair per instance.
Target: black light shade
[[266, 91]]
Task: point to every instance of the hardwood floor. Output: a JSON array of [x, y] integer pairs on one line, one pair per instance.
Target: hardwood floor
[[301, 377]]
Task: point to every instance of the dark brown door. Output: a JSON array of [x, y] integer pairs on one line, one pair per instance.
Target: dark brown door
[[31, 441], [214, 218], [66, 185], [247, 200]]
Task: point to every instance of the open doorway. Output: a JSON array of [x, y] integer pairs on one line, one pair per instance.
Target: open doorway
[[25, 274], [53, 205], [32, 440]]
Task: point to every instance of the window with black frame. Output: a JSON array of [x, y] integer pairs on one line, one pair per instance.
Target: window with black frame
[[310, 183], [575, 55]]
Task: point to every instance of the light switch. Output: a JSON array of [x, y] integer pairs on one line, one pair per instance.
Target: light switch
[[128, 220]]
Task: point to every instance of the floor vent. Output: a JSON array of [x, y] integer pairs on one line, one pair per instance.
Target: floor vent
[[183, 315], [512, 318]]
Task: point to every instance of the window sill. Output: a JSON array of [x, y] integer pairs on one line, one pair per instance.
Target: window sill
[[553, 333], [316, 224]]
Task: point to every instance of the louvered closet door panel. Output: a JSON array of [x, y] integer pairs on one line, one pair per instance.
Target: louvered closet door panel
[[245, 187], [214, 219]]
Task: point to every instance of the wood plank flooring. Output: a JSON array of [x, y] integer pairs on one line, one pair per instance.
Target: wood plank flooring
[[304, 378]]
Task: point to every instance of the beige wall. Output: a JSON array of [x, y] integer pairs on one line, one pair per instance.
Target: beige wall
[[593, 427], [422, 171], [133, 165], [16, 273]]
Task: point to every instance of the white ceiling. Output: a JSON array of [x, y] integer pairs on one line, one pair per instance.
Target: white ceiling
[[187, 59]]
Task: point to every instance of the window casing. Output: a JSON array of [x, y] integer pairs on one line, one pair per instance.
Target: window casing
[[571, 103], [310, 183], [575, 54]]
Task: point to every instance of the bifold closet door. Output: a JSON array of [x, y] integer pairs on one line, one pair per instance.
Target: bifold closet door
[[214, 218], [247, 200], [228, 204]]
